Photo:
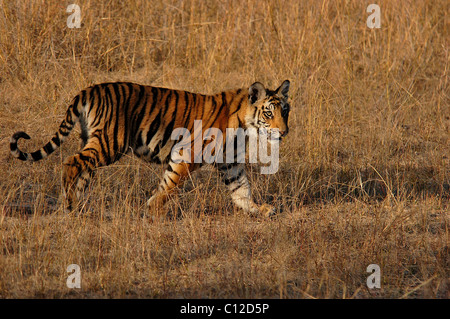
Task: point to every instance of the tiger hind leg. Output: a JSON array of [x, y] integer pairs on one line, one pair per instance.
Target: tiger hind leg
[[174, 176], [78, 170]]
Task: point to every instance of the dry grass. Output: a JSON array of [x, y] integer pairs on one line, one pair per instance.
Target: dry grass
[[364, 174]]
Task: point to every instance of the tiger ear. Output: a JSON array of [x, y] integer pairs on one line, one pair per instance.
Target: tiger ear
[[283, 90], [256, 92]]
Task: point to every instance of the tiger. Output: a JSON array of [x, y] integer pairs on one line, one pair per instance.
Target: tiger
[[117, 118]]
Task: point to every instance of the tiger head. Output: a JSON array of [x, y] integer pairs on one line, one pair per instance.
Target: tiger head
[[268, 109]]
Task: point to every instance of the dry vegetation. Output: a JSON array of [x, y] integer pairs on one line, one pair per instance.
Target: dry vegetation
[[364, 174]]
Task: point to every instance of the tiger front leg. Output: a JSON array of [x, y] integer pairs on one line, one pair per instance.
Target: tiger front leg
[[237, 182], [242, 198]]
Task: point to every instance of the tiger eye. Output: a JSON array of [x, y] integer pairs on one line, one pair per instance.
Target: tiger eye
[[268, 114]]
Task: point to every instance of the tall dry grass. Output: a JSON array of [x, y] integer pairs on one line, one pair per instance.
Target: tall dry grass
[[364, 172]]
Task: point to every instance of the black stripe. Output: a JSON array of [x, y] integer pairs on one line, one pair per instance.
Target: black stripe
[[137, 119], [48, 148], [105, 107], [154, 126], [100, 107], [186, 104], [139, 140], [171, 179], [169, 128], [126, 94], [225, 166], [219, 112], [92, 150], [165, 183], [161, 114], [241, 124], [202, 107], [22, 156], [64, 133], [75, 106], [68, 119], [116, 107], [102, 147], [95, 92], [234, 178], [56, 140], [83, 98], [232, 190], [239, 104], [224, 98], [88, 161], [170, 169], [36, 155], [157, 120], [67, 122]]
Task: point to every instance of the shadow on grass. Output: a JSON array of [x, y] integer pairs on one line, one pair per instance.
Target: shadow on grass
[[296, 186], [325, 185]]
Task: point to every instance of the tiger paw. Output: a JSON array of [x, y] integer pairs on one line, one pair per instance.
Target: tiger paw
[[156, 218], [267, 211], [156, 213]]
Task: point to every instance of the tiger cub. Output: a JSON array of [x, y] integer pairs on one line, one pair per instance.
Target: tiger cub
[[118, 118]]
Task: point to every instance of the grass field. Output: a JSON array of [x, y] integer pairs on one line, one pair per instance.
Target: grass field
[[364, 172]]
